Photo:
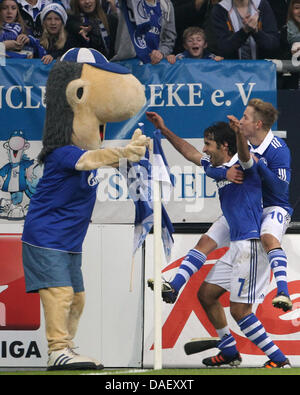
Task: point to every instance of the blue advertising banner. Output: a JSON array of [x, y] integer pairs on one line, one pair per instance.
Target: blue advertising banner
[[190, 94], [22, 93]]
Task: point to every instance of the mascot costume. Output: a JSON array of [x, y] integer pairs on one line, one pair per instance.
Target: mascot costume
[[84, 91]]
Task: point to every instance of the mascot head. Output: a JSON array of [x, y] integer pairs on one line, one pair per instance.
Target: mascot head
[[85, 91]]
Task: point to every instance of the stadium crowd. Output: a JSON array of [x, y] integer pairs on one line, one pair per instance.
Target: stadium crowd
[[152, 30]]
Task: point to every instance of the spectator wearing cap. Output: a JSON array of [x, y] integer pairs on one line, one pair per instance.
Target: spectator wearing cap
[[88, 26], [54, 37], [18, 44], [30, 11]]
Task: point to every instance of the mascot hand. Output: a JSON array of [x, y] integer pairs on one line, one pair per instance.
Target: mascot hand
[[138, 138], [136, 148], [134, 152]]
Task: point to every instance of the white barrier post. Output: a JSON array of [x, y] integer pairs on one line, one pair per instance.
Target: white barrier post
[[157, 274]]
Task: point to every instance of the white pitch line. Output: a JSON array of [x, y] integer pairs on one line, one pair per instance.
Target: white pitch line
[[107, 373]]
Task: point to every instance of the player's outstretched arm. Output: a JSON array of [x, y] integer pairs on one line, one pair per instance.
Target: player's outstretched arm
[[241, 141], [182, 146]]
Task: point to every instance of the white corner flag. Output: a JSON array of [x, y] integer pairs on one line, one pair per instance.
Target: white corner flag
[[147, 184], [140, 182]]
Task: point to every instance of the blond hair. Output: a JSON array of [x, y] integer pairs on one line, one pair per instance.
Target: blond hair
[[264, 112], [19, 18], [190, 31], [59, 42]]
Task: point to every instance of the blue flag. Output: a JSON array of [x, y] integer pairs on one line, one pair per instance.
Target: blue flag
[[140, 178]]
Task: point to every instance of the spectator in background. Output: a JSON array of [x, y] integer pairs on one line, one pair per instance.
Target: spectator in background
[[54, 37], [13, 33], [188, 13], [293, 35], [245, 29], [195, 45], [90, 27], [150, 37], [293, 23], [30, 11]]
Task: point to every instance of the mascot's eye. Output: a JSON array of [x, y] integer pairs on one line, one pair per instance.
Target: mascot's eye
[[79, 93]]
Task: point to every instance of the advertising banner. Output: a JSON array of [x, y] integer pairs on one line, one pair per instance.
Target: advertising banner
[[21, 322], [186, 319], [193, 94], [190, 95], [22, 328]]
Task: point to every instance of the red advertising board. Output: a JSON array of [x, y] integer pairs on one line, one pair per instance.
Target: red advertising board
[[18, 310]]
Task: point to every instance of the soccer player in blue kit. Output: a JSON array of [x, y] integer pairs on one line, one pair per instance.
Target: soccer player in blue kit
[[273, 158], [246, 271]]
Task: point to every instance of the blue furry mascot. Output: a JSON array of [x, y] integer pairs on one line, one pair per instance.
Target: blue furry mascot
[[84, 91]]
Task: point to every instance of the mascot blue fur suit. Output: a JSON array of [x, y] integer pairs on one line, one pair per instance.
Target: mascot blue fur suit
[[84, 91]]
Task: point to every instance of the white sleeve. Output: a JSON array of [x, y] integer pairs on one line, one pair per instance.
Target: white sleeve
[[247, 165]]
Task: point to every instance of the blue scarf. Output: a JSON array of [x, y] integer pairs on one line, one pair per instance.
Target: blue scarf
[[10, 31], [144, 26]]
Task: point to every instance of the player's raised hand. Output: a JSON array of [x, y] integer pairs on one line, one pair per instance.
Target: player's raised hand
[[234, 123], [156, 119]]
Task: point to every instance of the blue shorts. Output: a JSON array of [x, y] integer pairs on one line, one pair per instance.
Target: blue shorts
[[47, 268]]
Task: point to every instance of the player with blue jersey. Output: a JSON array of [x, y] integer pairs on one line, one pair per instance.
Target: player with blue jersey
[[246, 272], [273, 158]]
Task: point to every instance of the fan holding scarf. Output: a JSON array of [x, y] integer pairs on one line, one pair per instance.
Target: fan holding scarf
[[146, 30]]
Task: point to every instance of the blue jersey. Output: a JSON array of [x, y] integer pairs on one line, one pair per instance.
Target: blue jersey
[[241, 204], [274, 169], [60, 211]]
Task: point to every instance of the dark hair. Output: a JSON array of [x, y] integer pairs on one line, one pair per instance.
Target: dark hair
[[221, 133], [290, 15], [98, 13], [58, 127]]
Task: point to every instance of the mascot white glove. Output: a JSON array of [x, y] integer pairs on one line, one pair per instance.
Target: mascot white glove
[[134, 151]]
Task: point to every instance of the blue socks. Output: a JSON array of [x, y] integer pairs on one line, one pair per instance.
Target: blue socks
[[193, 262], [228, 346], [253, 329], [278, 261]]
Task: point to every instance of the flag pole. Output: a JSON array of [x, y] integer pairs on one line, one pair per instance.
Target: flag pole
[[157, 220]]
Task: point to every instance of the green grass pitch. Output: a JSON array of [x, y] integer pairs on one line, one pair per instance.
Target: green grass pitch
[[163, 372]]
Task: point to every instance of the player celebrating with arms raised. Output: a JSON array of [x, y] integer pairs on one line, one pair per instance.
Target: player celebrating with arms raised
[[246, 258], [273, 158]]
